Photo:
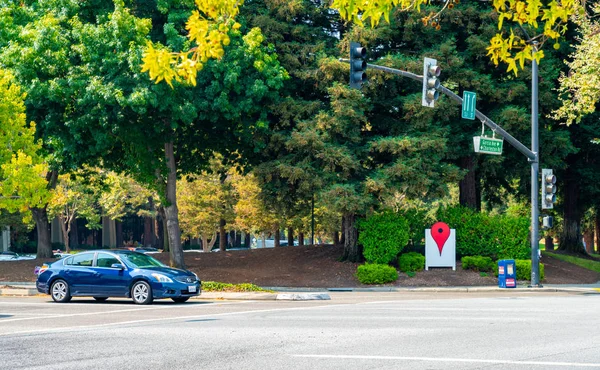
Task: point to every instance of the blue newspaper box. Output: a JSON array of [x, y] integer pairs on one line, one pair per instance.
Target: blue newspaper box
[[507, 274]]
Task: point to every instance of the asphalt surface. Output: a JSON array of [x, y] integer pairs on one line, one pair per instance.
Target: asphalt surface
[[353, 330]]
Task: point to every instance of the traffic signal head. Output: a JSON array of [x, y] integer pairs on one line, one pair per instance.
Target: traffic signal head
[[548, 189], [358, 65], [431, 72]]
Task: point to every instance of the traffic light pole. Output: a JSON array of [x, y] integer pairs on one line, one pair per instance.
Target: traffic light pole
[[532, 155], [535, 164]]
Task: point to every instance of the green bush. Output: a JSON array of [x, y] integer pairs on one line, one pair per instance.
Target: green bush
[[524, 270], [213, 286], [478, 263], [373, 273], [411, 262], [478, 234], [383, 236]]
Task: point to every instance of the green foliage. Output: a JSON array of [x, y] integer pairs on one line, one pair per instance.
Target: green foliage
[[411, 274], [524, 270], [373, 273], [477, 263], [213, 286], [383, 236], [483, 274], [479, 234], [411, 262]]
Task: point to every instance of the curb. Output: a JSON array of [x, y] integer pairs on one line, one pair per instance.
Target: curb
[[18, 292]]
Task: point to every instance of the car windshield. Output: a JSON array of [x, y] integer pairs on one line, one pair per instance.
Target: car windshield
[[140, 260]]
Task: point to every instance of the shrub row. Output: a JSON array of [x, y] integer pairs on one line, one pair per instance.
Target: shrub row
[[478, 263], [374, 273], [411, 262], [479, 234], [383, 236]]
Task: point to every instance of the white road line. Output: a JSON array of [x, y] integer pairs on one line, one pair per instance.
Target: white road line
[[446, 360], [50, 316], [195, 317]]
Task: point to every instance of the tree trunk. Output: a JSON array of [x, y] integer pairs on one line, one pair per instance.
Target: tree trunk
[[44, 247], [597, 227], [222, 236], [231, 239], [205, 246], [351, 249], [118, 234], [468, 185], [343, 237], [549, 243], [570, 239], [300, 238], [65, 231], [148, 233], [238, 239], [277, 237], [247, 240], [336, 238], [290, 237], [264, 240], [171, 211], [588, 238]]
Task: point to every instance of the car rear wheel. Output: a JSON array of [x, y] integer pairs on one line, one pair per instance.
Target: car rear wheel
[[141, 293], [60, 291], [101, 299], [180, 299]]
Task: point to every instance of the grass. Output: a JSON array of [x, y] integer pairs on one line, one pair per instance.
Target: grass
[[213, 286], [585, 263]]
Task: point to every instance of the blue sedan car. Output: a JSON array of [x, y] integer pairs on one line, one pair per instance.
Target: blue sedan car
[[109, 273]]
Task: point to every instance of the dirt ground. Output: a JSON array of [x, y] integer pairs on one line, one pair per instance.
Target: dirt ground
[[314, 266]]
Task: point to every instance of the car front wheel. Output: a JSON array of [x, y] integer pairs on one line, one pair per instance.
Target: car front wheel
[[141, 293], [60, 291], [180, 299]]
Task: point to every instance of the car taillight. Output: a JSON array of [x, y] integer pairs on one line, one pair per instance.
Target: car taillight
[[38, 270]]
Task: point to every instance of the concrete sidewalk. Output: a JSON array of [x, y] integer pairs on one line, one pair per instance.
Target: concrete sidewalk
[[23, 289]]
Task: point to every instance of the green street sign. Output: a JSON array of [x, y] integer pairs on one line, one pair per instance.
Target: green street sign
[[468, 105], [487, 145]]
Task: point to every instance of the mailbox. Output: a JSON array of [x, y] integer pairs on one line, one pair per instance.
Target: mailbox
[[507, 274]]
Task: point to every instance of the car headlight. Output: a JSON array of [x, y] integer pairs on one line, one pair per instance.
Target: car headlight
[[162, 278]]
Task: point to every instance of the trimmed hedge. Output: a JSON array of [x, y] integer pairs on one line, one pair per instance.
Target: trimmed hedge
[[478, 263], [479, 234], [411, 262], [383, 236], [373, 273], [524, 270]]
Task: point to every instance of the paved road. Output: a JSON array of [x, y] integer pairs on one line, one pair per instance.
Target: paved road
[[352, 331]]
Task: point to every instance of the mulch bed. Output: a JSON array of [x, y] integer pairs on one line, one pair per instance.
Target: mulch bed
[[314, 266]]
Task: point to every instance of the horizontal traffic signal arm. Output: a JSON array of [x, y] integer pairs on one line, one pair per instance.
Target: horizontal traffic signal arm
[[484, 119]]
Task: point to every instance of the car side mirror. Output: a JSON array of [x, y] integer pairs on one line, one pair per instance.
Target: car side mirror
[[117, 266]]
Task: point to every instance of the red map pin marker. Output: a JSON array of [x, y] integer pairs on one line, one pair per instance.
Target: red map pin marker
[[440, 232]]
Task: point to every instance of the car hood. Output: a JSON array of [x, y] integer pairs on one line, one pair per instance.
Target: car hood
[[168, 271]]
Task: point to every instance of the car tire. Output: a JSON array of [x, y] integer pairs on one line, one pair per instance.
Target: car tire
[[60, 291], [180, 299], [141, 293], [101, 299]]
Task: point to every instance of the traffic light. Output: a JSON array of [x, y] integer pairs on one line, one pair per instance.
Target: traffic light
[[431, 72], [358, 65], [548, 189]]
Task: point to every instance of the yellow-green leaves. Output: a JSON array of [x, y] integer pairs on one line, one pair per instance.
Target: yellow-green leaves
[[580, 89], [22, 170], [209, 29], [506, 49]]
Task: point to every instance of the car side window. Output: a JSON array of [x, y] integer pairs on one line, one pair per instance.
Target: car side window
[[68, 261], [106, 260], [83, 260]]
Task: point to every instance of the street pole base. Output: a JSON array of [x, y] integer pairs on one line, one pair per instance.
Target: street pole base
[[535, 286]]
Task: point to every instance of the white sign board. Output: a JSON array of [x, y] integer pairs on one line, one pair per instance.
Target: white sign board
[[440, 247]]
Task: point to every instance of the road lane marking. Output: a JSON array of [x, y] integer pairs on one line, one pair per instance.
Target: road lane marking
[[132, 322], [446, 360], [50, 316]]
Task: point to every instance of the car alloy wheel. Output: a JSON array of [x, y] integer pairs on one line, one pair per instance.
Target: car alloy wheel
[[60, 291], [141, 292]]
